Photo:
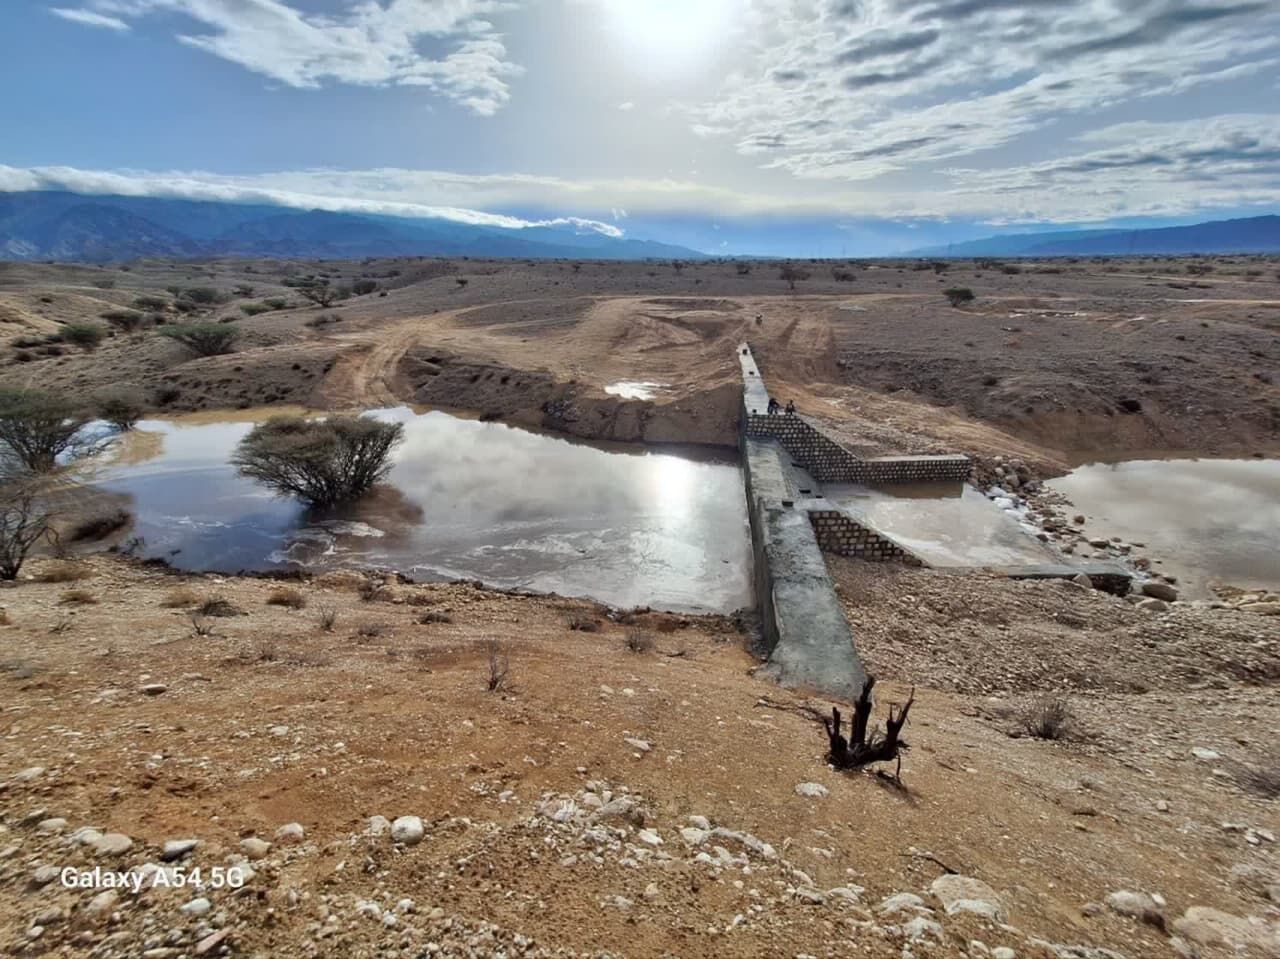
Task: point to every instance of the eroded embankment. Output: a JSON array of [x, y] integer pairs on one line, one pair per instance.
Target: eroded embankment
[[538, 399]]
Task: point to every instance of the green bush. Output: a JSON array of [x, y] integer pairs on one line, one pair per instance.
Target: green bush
[[203, 339], [39, 430], [321, 462], [121, 408], [150, 302], [364, 287], [204, 295], [276, 302], [959, 295], [83, 334], [253, 309], [126, 320]]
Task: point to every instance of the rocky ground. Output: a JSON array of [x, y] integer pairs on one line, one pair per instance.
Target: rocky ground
[[376, 798]]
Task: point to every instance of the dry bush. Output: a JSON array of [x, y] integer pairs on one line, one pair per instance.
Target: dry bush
[[434, 616], [64, 572], [1049, 717], [179, 598], [200, 626], [100, 527], [499, 666], [78, 597], [327, 617], [370, 630], [287, 596], [370, 590], [640, 641], [421, 599], [219, 606], [582, 623]]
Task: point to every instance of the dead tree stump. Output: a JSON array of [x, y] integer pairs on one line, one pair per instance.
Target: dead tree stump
[[860, 749]]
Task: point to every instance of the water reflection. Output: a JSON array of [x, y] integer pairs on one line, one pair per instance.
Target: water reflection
[[1209, 520], [464, 499]]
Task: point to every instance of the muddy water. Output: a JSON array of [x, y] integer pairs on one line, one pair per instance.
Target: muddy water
[[464, 500], [1209, 521]]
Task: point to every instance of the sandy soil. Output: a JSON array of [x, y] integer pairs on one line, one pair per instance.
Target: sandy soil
[[270, 720]]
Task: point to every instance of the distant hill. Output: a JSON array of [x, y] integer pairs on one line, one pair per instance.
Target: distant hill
[[55, 225], [1258, 234]]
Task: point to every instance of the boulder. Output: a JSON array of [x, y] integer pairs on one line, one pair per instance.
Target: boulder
[[408, 830], [965, 894], [1159, 590]]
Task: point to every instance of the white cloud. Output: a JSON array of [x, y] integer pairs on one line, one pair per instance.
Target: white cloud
[[371, 43], [89, 18], [845, 90]]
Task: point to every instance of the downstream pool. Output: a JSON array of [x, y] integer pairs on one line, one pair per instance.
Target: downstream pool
[[1210, 521], [465, 499]]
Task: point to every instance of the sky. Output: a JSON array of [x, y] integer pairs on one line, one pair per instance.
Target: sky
[[787, 127]]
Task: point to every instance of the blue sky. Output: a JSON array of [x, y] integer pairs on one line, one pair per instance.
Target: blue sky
[[824, 127]]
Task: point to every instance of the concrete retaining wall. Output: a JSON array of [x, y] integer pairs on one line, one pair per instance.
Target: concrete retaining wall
[[839, 533], [806, 640]]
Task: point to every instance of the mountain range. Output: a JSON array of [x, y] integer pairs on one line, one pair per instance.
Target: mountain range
[[56, 225], [1258, 234]]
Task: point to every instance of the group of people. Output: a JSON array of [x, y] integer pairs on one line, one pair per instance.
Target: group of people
[[775, 406]]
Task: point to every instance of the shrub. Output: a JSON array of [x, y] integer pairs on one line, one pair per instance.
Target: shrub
[[583, 623], [364, 287], [100, 527], [276, 302], [24, 521], [243, 289], [150, 302], [321, 462], [321, 293], [203, 339], [85, 335], [328, 618], [959, 295], [253, 309], [219, 606], [370, 630], [287, 596], [792, 274], [121, 408], [179, 598], [63, 572], [1049, 717], [38, 430], [127, 320], [105, 284], [499, 664], [1262, 778], [204, 295], [434, 616], [639, 641], [77, 597]]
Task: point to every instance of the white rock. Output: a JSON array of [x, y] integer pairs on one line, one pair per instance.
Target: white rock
[[254, 848], [1136, 905], [1003, 952], [55, 824], [177, 848], [700, 822], [113, 844], [290, 832], [693, 835], [1204, 755], [966, 894], [640, 745], [902, 902], [378, 825], [197, 907], [408, 830], [922, 927], [153, 689], [28, 774], [812, 790], [99, 908], [650, 837]]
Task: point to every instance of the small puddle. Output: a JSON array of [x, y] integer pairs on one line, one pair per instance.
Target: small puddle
[[465, 499], [636, 390], [1209, 521]]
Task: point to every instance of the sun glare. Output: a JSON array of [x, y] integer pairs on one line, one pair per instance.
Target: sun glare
[[666, 36]]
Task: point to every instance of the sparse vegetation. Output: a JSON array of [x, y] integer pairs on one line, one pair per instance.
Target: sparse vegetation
[[792, 274], [640, 641], [84, 334], [959, 295], [434, 616], [180, 598], [121, 408], [200, 625], [1262, 777], [499, 665], [322, 293], [203, 339], [364, 287], [1048, 717], [321, 462], [370, 630], [77, 597], [219, 606], [63, 571], [287, 596], [40, 432], [24, 521], [101, 526], [327, 617], [580, 622]]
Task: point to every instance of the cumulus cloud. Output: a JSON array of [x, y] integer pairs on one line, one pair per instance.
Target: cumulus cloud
[[834, 89], [370, 43]]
